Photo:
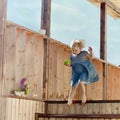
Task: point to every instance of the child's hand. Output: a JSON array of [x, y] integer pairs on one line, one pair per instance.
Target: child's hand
[[90, 49], [91, 52], [67, 62]]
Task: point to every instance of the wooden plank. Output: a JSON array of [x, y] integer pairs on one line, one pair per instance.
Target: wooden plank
[[13, 112], [60, 72], [109, 83], [31, 114], [20, 56], [93, 116], [96, 108], [67, 74], [34, 111], [10, 60], [52, 91], [27, 110], [16, 109], [24, 109], [29, 63], [90, 108], [38, 66], [102, 108], [20, 109], [3, 15], [9, 109], [115, 108]]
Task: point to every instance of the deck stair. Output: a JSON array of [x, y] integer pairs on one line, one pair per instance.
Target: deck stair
[[93, 109]]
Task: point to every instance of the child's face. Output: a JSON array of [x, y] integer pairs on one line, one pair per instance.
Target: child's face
[[76, 50]]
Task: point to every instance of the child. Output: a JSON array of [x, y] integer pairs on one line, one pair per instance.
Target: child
[[83, 71]]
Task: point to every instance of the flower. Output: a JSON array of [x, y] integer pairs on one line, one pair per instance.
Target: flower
[[23, 87], [22, 82]]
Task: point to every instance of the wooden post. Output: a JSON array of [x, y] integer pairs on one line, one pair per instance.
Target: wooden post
[[103, 46], [103, 31], [3, 9], [45, 67], [46, 16], [36, 116]]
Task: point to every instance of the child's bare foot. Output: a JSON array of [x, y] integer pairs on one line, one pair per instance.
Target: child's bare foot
[[69, 102], [83, 99]]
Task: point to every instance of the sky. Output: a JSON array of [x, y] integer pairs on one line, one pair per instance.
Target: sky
[[70, 19]]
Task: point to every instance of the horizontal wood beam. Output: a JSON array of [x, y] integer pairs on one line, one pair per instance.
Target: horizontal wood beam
[[112, 10], [79, 101], [93, 116], [113, 6]]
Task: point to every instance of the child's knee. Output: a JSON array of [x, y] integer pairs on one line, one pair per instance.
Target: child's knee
[[74, 87], [81, 83]]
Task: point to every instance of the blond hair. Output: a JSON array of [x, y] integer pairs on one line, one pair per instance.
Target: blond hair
[[79, 43]]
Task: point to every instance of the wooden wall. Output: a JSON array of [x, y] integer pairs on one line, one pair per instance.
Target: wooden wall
[[31, 55], [23, 109], [24, 53], [59, 75]]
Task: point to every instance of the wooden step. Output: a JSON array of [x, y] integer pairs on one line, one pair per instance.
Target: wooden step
[[91, 107], [92, 116]]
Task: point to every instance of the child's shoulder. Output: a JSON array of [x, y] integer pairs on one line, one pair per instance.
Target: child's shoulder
[[72, 56], [84, 52]]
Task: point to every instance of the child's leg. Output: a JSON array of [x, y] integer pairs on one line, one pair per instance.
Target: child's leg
[[83, 92], [71, 95]]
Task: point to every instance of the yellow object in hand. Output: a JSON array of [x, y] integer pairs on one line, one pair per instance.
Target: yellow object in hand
[[67, 62]]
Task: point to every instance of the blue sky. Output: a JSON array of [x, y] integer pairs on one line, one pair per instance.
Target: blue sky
[[70, 19]]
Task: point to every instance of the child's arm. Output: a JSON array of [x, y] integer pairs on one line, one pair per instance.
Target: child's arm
[[90, 56]]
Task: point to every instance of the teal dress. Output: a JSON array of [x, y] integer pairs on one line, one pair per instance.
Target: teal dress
[[82, 69]]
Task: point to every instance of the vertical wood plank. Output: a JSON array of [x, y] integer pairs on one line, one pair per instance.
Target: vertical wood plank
[[38, 68], [27, 110], [9, 109], [20, 109], [67, 74], [52, 91], [17, 109], [10, 60], [60, 72], [20, 56], [31, 103], [29, 62], [3, 15]]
